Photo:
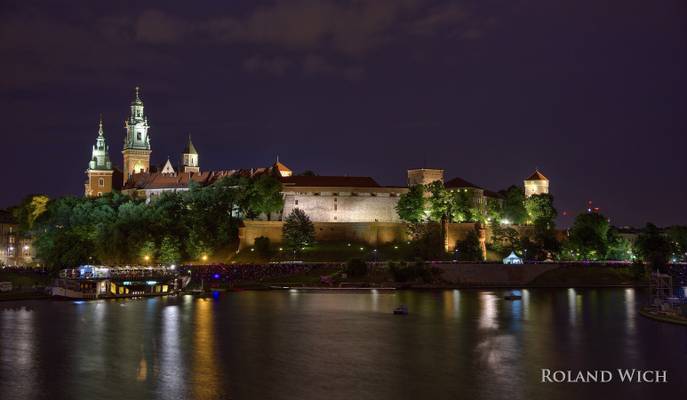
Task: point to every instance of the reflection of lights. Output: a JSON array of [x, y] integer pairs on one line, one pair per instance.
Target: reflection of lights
[[487, 318], [630, 308]]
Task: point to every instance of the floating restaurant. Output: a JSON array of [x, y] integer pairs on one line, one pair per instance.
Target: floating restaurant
[[98, 282]]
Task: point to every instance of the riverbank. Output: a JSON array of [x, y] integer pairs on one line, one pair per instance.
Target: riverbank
[[673, 319]]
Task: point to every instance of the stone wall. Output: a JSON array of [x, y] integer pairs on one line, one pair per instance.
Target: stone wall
[[492, 274], [344, 206], [371, 233]]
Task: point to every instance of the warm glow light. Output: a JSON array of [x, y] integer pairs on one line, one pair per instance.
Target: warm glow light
[[146, 258], [205, 257]]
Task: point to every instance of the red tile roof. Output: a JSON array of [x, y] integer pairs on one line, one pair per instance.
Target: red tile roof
[[537, 176], [460, 183], [330, 181], [158, 180]]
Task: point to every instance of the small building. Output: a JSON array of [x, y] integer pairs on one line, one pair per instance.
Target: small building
[[512, 259]]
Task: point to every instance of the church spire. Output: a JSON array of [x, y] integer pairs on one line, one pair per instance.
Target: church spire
[[100, 157], [137, 141], [189, 157]]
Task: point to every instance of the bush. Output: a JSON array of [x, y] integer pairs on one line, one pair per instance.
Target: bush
[[356, 268], [470, 249], [408, 273], [262, 246]]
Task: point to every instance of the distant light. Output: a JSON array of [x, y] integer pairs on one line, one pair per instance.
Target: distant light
[[172, 266], [395, 247], [280, 249], [205, 257], [26, 247], [151, 283], [361, 249], [252, 249], [505, 221], [216, 276], [146, 258]]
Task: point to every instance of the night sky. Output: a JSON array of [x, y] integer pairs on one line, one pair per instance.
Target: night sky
[[592, 92]]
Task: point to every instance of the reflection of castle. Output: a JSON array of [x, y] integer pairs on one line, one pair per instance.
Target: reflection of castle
[[325, 199]]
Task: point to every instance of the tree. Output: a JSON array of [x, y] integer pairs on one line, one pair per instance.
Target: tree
[[411, 205], [461, 206], [540, 210], [588, 237], [427, 241], [147, 251], [504, 239], [169, 251], [514, 205], [32, 207], [653, 246], [298, 230], [678, 237], [356, 268], [619, 248], [262, 245], [494, 210], [267, 197], [470, 249], [440, 202]]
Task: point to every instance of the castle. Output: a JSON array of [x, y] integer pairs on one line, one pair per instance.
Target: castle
[[329, 200]]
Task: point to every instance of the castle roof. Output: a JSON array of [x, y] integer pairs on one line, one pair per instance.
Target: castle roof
[[190, 148], [330, 181], [158, 180], [281, 167], [537, 176], [460, 183]]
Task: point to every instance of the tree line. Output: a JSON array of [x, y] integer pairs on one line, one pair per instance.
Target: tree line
[[174, 226]]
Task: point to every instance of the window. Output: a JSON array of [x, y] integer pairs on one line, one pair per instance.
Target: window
[[138, 135], [100, 194], [101, 182], [335, 207], [296, 202]]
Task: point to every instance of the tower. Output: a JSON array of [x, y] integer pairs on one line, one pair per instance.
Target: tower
[[537, 183], [424, 176], [189, 158], [137, 142], [99, 170]]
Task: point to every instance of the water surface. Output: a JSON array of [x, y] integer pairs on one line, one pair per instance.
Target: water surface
[[297, 345]]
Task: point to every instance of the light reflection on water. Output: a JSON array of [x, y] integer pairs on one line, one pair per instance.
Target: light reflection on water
[[300, 345]]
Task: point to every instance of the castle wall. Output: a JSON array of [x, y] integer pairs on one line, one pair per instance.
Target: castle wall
[[371, 233], [344, 206]]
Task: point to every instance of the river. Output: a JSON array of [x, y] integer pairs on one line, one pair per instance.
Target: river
[[468, 344]]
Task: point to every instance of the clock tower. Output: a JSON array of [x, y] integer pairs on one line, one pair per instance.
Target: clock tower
[[137, 142]]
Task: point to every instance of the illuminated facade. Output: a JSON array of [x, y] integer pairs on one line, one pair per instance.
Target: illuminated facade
[[326, 199], [137, 141], [99, 173], [14, 249], [537, 183]]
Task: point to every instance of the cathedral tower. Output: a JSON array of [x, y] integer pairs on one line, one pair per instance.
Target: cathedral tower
[[189, 158], [137, 142], [537, 183], [99, 170]]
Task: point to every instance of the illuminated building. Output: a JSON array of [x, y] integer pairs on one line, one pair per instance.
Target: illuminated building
[[537, 183]]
